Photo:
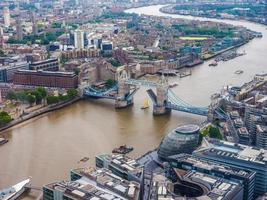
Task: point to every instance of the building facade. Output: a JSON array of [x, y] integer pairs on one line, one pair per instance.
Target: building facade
[[6, 16], [88, 183], [241, 156], [183, 139], [46, 79], [79, 39], [46, 65], [190, 163], [7, 71]]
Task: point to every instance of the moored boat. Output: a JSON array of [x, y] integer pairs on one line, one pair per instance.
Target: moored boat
[[123, 149], [14, 191], [213, 64], [173, 85], [3, 141]]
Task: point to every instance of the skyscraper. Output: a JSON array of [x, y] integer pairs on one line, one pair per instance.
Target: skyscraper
[[1, 37], [79, 39], [6, 16], [19, 31]]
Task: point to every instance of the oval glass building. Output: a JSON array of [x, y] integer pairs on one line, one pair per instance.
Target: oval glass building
[[183, 139]]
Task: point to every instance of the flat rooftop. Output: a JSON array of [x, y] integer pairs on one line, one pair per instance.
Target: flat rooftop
[[97, 184], [213, 187], [232, 151], [46, 73], [219, 188], [211, 166], [124, 162]]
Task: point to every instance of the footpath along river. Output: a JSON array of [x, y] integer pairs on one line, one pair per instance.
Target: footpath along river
[[47, 147]]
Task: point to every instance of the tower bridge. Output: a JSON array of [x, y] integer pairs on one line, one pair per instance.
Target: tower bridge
[[164, 99]]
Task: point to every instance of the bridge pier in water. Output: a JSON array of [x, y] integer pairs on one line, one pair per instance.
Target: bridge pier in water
[[159, 107], [124, 99]]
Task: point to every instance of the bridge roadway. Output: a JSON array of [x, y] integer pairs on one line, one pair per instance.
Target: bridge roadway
[[173, 102]]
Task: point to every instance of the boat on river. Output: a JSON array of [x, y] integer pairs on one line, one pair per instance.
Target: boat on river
[[84, 159], [14, 191], [123, 149], [3, 141], [173, 85], [239, 72], [146, 105], [213, 64]]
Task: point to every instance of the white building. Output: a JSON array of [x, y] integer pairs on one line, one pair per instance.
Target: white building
[[79, 39], [6, 16]]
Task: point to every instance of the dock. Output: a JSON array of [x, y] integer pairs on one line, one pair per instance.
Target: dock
[[168, 72], [185, 73]]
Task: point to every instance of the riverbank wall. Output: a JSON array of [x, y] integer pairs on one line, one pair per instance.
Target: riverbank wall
[[38, 113]]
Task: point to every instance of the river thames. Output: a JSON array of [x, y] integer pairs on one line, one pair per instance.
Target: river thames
[[47, 147]]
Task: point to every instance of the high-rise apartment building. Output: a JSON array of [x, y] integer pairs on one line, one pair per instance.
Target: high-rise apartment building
[[6, 16], [79, 39], [19, 31], [34, 24]]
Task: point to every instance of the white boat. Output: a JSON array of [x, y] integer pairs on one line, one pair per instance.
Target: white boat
[[3, 141], [239, 72], [14, 191]]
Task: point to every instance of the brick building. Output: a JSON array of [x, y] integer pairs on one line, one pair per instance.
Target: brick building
[[80, 53], [47, 65], [46, 78]]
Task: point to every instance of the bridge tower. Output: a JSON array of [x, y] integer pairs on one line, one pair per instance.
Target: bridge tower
[[215, 103], [162, 97], [122, 99]]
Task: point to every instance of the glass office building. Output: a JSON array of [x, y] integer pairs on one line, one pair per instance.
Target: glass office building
[[183, 139], [241, 156]]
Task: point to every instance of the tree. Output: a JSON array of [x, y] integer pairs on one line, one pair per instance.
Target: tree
[[4, 118], [11, 95], [63, 97], [42, 91], [110, 83], [22, 96], [72, 93], [37, 95], [77, 71], [31, 99], [214, 132], [52, 100]]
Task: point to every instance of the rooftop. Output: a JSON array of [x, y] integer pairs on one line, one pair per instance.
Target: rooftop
[[97, 184], [49, 73], [211, 166], [187, 129], [194, 185], [220, 188], [122, 161], [232, 151]]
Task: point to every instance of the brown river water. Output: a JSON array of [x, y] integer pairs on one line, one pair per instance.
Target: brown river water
[[47, 147]]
